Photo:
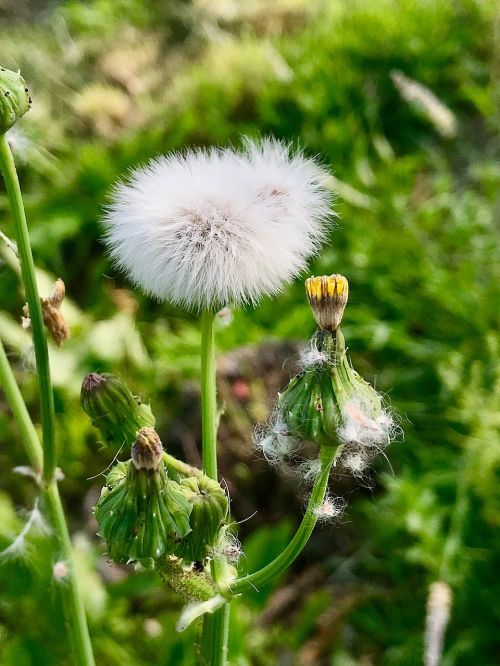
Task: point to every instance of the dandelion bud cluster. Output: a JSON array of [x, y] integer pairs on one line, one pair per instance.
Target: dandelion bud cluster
[[168, 518], [15, 100], [328, 402]]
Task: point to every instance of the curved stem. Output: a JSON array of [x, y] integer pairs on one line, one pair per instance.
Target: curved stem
[[180, 467], [215, 626], [301, 537], [8, 169], [69, 590]]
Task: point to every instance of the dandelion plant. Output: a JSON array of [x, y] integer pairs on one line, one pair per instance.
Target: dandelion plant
[[203, 229]]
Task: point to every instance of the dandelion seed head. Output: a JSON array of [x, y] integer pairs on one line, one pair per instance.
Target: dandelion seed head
[[208, 227]]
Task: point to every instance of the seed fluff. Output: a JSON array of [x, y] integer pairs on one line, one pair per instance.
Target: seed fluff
[[207, 227]]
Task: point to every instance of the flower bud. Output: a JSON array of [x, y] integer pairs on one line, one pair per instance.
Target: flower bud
[[114, 410], [14, 98], [327, 296], [330, 404], [142, 514], [209, 510], [190, 583], [147, 449]]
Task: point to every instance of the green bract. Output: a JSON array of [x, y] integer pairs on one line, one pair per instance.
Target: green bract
[[142, 514], [314, 405], [113, 408], [14, 98], [209, 510]]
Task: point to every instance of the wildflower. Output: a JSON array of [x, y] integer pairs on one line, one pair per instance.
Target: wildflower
[[328, 402], [207, 227], [327, 297], [14, 98], [114, 410]]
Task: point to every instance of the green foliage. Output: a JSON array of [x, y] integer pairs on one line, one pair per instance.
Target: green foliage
[[115, 83]]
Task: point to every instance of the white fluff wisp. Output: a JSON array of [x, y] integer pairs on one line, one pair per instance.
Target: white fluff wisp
[[208, 227]]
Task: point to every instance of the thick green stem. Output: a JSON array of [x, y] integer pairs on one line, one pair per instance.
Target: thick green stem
[[8, 169], [215, 626], [296, 545], [70, 594]]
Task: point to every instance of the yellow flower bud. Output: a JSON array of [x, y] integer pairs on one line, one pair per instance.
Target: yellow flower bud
[[327, 296]]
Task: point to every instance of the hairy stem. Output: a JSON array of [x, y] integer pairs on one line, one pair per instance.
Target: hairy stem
[[215, 626], [8, 169], [301, 537]]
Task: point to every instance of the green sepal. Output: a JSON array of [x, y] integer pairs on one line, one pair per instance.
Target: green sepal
[[142, 514], [209, 510], [313, 403]]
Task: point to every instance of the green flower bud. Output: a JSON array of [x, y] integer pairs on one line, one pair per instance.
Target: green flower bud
[[209, 510], [189, 582], [114, 410], [14, 98], [142, 514], [330, 404]]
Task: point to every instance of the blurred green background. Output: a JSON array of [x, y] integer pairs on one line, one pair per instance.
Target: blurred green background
[[401, 97]]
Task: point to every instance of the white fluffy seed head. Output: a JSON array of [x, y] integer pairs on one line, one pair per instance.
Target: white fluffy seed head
[[207, 227]]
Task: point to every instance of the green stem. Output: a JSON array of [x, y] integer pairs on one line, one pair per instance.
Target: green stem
[[296, 545], [69, 590], [182, 468], [42, 456], [25, 424], [208, 395], [215, 626], [8, 169]]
